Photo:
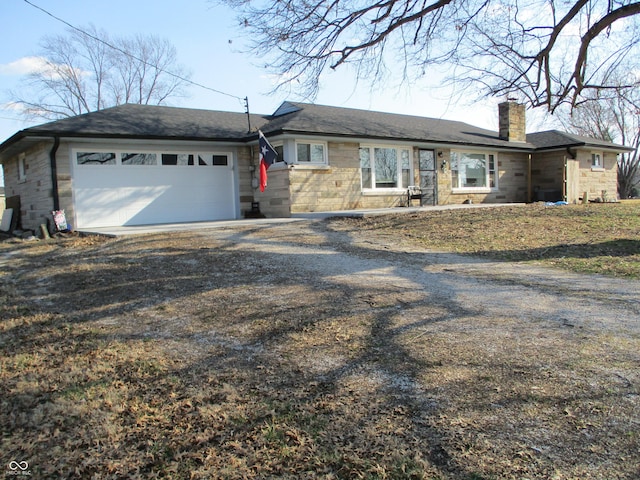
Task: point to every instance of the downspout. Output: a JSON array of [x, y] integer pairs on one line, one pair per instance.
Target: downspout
[[54, 173], [529, 191], [565, 192], [572, 155]]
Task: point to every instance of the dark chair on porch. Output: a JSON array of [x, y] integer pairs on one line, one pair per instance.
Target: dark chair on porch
[[414, 193]]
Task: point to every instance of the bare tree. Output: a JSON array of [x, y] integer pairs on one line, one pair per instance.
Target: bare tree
[[544, 52], [88, 70], [614, 118], [629, 170]]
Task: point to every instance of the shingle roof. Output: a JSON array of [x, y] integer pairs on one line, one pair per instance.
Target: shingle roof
[[305, 118], [553, 139], [159, 122], [152, 121]]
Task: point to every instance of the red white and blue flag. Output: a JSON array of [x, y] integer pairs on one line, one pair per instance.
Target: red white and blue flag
[[268, 155]]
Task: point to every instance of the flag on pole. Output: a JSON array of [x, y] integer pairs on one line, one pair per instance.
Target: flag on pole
[[268, 155]]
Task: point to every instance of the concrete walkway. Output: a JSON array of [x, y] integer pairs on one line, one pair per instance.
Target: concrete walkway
[[180, 227]]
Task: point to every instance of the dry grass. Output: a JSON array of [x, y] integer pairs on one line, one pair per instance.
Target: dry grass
[[594, 238], [185, 356]]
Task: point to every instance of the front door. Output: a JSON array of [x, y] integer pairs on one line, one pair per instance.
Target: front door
[[428, 177]]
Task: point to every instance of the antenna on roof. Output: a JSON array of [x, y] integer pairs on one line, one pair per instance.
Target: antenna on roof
[[246, 106]]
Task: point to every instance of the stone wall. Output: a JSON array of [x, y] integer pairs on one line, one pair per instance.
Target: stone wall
[[547, 174], [512, 122], [336, 186], [598, 183], [320, 188], [513, 185], [65, 183], [274, 201], [35, 190], [245, 175], [327, 188]]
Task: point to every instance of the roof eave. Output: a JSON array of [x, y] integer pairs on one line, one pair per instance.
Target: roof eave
[[609, 148], [49, 134], [524, 147]]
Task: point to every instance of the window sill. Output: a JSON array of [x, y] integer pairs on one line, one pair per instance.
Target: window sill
[[311, 166], [276, 166], [384, 191], [597, 169]]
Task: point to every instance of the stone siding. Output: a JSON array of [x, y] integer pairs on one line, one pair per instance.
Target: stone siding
[[598, 183], [245, 175], [547, 175], [274, 201], [513, 185], [337, 186], [35, 191], [512, 122], [308, 188], [65, 182]]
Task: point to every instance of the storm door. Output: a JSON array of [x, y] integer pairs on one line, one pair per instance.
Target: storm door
[[428, 177]]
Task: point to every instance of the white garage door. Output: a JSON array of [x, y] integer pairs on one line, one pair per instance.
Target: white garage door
[[124, 188]]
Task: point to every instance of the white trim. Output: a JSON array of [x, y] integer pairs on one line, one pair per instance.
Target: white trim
[[389, 190], [380, 192], [483, 189], [325, 152], [600, 156], [182, 180]]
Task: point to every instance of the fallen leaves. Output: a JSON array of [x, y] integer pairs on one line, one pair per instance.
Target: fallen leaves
[[176, 357]]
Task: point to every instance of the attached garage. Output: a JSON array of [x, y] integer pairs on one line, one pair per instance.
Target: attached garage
[[140, 187], [133, 165]]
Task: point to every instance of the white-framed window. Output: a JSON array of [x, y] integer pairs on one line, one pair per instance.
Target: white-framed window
[[475, 171], [136, 158], [310, 153], [145, 159], [385, 167], [596, 160], [279, 148], [22, 168]]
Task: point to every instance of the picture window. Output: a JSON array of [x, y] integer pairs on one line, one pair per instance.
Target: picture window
[[473, 170], [385, 168]]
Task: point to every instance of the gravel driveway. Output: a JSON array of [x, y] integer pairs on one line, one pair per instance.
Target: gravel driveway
[[479, 287]]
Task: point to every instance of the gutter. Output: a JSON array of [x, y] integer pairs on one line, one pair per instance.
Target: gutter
[[54, 173], [570, 148], [435, 143]]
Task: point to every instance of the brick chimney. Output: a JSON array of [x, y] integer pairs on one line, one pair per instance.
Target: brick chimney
[[512, 122]]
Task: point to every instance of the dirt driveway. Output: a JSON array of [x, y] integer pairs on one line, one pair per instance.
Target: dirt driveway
[[479, 287], [304, 350]]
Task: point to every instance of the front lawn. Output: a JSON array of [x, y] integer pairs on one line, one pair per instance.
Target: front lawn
[[593, 238]]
